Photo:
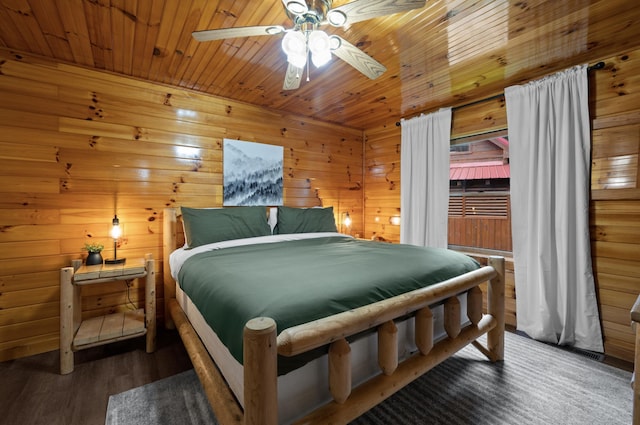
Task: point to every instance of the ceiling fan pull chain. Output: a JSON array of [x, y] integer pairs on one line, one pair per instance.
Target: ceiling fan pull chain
[[307, 59]]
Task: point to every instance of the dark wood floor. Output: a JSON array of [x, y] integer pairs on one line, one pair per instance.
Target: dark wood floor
[[32, 391]]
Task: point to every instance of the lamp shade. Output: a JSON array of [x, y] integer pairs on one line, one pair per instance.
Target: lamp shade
[[294, 43], [318, 42], [320, 59], [298, 61], [320, 47]]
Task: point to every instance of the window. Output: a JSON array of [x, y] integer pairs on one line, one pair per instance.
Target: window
[[479, 200]]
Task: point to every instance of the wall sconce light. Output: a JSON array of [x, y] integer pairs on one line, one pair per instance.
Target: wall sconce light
[[345, 223], [116, 232], [394, 220]]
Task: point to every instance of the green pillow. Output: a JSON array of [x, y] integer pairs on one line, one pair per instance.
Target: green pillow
[[204, 226], [305, 220]]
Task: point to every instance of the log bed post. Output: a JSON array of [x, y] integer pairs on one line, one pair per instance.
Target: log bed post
[[340, 370], [168, 245], [495, 307], [424, 330], [220, 396], [388, 347], [474, 305], [452, 323], [260, 354]]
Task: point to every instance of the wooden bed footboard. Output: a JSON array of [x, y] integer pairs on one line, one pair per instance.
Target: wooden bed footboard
[[261, 353], [262, 346]]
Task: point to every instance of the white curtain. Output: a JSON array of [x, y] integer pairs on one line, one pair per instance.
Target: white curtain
[[424, 179], [550, 147]]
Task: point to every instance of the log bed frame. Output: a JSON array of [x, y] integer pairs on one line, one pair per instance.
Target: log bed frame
[[262, 345]]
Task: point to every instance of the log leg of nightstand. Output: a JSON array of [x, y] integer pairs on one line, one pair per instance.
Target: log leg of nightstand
[[150, 305], [67, 298]]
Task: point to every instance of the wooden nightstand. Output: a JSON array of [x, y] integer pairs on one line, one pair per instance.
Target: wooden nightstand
[[76, 334]]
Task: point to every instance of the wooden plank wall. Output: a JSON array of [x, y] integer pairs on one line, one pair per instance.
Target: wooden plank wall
[[74, 143], [615, 193], [615, 206]]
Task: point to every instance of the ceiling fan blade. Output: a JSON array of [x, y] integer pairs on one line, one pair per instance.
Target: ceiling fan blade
[[361, 10], [292, 78], [358, 59], [219, 34]]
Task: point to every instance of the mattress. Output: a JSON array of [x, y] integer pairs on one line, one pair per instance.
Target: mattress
[[304, 389], [299, 281]]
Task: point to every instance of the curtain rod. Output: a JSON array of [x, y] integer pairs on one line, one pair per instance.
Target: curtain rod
[[595, 66]]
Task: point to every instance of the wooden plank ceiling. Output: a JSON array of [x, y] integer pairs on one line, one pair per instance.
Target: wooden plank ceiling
[[447, 53]]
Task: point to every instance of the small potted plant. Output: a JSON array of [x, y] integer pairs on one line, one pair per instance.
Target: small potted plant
[[94, 249]]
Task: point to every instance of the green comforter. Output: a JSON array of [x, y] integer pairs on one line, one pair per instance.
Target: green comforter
[[298, 281]]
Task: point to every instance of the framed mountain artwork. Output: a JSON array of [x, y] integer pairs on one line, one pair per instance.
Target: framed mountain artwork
[[252, 173]]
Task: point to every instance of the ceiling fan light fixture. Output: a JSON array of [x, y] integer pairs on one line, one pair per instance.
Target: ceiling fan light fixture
[[319, 42], [320, 59], [320, 47], [294, 43], [297, 7], [299, 61], [337, 18]]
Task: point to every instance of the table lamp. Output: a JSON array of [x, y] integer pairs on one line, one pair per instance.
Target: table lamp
[[116, 232]]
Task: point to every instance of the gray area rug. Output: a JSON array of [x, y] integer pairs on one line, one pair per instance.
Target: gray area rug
[[537, 384]]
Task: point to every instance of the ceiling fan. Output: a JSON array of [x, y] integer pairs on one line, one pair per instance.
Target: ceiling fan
[[305, 41]]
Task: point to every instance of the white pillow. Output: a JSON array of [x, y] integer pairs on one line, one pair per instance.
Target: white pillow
[[273, 217]]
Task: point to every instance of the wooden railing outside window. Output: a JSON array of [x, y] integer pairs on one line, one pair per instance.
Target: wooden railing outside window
[[480, 220]]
